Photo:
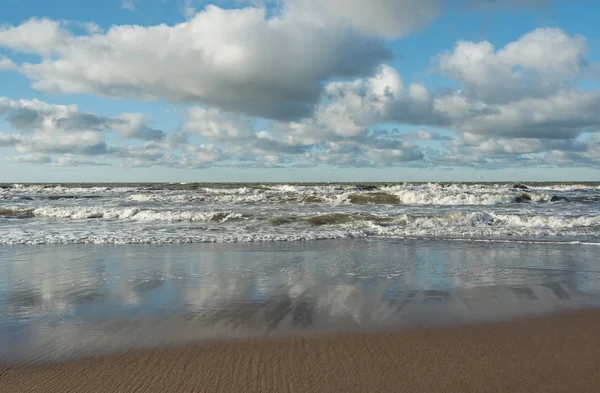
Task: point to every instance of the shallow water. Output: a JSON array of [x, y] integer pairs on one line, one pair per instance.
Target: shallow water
[[201, 213], [76, 300]]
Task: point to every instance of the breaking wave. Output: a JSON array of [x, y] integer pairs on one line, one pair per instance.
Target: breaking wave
[[133, 213], [404, 197]]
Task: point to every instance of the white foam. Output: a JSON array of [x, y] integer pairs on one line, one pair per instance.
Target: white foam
[[133, 213], [440, 197], [157, 238]]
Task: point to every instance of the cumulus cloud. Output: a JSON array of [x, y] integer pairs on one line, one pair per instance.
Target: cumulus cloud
[[9, 139], [218, 126], [538, 64], [199, 156], [352, 108], [133, 126], [236, 59], [38, 117], [521, 103], [485, 152], [87, 143], [38, 36], [562, 115], [588, 156], [339, 132], [49, 129]]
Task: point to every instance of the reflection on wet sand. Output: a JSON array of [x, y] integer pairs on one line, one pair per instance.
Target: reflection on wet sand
[[69, 301]]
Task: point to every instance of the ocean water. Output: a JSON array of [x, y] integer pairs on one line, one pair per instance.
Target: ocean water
[[66, 301], [207, 213]]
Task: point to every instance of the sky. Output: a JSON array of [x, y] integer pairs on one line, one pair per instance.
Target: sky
[[299, 90]]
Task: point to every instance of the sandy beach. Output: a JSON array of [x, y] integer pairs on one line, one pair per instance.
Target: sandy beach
[[558, 353]]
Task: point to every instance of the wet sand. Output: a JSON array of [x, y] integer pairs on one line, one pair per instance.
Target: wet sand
[[559, 353]]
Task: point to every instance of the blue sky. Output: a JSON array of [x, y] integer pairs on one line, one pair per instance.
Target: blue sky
[[399, 91]]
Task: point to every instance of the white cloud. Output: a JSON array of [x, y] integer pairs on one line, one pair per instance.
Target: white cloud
[[38, 36], [538, 64], [7, 64], [352, 108], [9, 139], [133, 126], [337, 134], [30, 159], [87, 143], [197, 156], [563, 115], [492, 152], [216, 125], [236, 59], [391, 157], [49, 129], [34, 116], [521, 104]]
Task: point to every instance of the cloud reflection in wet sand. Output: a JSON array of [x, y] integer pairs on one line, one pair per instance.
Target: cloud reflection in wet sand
[[81, 300]]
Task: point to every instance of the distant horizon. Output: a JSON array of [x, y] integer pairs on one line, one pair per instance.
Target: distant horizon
[[519, 182]]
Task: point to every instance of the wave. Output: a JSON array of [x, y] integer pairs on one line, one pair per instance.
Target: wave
[[406, 197], [464, 220], [389, 218], [49, 239], [410, 197], [145, 239], [132, 213], [566, 187], [399, 194], [132, 225]]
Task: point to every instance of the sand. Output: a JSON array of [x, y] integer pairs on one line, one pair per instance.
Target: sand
[[560, 353]]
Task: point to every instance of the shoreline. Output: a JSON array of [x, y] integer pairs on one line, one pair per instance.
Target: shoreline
[[555, 353]]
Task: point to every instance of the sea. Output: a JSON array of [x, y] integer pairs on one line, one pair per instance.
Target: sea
[[88, 269], [227, 213]]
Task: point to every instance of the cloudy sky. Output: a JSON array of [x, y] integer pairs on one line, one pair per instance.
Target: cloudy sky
[[299, 90]]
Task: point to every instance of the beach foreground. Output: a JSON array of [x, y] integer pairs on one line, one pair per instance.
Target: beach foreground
[[558, 353]]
